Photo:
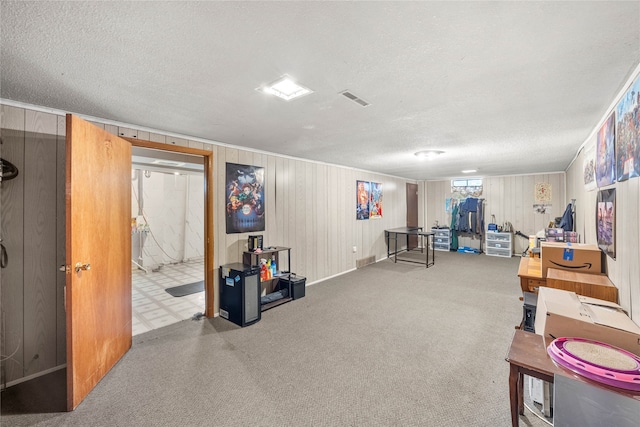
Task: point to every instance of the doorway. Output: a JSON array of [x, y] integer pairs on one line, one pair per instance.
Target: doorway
[[167, 238], [412, 213], [192, 159]]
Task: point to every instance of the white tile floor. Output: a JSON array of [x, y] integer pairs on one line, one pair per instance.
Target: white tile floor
[[153, 307]]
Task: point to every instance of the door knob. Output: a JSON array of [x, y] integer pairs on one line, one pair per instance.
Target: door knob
[[80, 266]]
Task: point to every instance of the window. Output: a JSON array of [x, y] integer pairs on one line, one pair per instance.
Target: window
[[466, 187]]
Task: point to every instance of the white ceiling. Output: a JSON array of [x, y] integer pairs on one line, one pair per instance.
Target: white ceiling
[[502, 87]]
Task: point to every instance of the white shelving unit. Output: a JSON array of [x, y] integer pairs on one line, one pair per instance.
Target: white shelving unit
[[441, 239], [499, 244]]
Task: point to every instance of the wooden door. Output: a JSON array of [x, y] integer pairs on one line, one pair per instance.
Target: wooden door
[[412, 213], [98, 255]]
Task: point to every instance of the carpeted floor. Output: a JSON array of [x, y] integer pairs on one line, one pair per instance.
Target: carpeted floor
[[386, 345]]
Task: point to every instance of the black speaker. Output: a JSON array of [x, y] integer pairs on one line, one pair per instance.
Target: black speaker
[[240, 293]]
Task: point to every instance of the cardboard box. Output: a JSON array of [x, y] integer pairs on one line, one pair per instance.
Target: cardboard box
[[564, 314], [578, 257]]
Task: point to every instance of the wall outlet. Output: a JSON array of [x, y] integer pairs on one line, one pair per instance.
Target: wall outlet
[[355, 249]]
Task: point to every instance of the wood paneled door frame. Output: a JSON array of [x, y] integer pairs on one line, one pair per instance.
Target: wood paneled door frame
[[208, 210]]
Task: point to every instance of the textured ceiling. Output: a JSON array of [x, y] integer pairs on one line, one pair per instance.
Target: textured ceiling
[[501, 87]]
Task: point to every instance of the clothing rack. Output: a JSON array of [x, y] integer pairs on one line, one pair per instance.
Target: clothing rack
[[471, 225]]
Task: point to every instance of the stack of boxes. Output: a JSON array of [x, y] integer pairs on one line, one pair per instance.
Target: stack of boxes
[[561, 313]]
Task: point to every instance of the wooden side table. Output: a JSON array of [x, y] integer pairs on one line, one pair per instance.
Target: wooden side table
[[530, 274], [527, 356]]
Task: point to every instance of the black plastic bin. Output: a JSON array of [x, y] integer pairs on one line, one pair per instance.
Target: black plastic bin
[[297, 285]]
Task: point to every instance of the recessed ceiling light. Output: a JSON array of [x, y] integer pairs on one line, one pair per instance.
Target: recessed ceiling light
[[469, 171], [428, 154], [285, 88]]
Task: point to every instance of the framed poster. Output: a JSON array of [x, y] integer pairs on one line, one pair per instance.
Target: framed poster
[[605, 155], [375, 204], [543, 192], [606, 221], [244, 198], [362, 199], [589, 166], [628, 133]]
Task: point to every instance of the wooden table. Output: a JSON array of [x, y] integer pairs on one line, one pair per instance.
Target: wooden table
[[530, 274], [527, 355]]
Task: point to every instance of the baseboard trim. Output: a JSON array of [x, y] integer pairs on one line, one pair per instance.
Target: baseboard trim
[[32, 376]]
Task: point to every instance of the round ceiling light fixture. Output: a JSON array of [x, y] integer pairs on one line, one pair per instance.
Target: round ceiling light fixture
[[428, 154]]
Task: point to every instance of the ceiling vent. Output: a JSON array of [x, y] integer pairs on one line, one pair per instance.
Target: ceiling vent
[[355, 99]]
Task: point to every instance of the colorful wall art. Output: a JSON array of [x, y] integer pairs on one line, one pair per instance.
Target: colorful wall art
[[368, 200], [606, 221], [244, 198], [605, 155], [628, 133]]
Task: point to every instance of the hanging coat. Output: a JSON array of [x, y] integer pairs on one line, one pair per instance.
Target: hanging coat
[[454, 233], [566, 223]]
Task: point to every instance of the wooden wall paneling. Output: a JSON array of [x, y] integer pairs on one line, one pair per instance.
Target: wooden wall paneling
[[430, 193], [277, 209], [349, 211], [590, 218], [262, 160], [290, 201], [342, 186], [422, 205], [62, 126], [346, 216], [525, 197], [11, 117], [372, 236], [523, 212], [195, 144], [113, 129], [40, 346], [618, 267], [332, 219], [156, 137], [127, 132], [231, 240], [12, 224], [38, 122], [320, 213], [177, 141], [378, 234], [630, 240], [219, 220], [61, 326], [270, 234], [299, 210], [359, 224], [282, 199], [244, 158], [310, 227], [445, 193]]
